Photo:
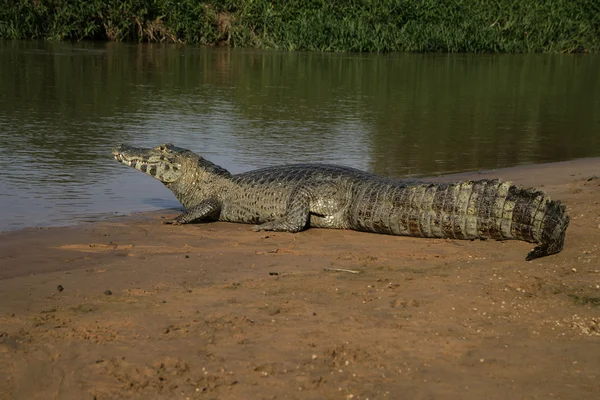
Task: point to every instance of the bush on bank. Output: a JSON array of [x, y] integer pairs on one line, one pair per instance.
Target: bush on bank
[[332, 25]]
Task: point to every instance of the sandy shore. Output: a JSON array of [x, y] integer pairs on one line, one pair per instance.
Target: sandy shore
[[216, 311]]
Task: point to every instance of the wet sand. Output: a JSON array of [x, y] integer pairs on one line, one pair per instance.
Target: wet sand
[[216, 311]]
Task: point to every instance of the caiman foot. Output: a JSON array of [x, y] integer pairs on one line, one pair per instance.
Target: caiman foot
[[277, 226], [178, 220]]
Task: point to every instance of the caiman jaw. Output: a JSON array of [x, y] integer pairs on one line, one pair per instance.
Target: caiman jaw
[[160, 162]]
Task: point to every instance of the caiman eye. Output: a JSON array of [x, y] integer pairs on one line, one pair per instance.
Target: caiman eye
[[165, 147]]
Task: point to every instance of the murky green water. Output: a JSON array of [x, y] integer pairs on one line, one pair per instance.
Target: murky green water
[[63, 106]]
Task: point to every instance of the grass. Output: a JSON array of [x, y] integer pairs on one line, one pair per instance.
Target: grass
[[516, 26]]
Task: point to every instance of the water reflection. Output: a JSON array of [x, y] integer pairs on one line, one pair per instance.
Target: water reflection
[[63, 106]]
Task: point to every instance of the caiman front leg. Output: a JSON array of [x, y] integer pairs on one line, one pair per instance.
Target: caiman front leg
[[296, 217], [203, 210]]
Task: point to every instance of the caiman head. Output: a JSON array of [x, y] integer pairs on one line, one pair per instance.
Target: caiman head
[[164, 162], [174, 166]]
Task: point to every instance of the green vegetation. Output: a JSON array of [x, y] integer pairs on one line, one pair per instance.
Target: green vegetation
[[322, 25]]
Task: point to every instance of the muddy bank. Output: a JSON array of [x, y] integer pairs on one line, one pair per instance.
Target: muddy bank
[[132, 308]]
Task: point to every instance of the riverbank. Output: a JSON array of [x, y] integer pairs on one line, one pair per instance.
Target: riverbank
[[133, 309], [381, 26]]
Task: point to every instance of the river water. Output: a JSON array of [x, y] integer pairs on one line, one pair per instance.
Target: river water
[[63, 106]]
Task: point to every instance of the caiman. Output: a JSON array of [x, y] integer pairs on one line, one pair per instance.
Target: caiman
[[291, 198]]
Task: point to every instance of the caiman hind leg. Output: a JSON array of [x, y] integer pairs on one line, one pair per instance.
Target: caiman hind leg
[[206, 209], [322, 202], [296, 215]]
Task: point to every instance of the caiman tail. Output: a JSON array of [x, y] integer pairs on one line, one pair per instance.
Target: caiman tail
[[485, 209]]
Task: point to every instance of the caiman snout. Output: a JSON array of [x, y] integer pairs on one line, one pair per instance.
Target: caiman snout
[[156, 162], [116, 152]]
